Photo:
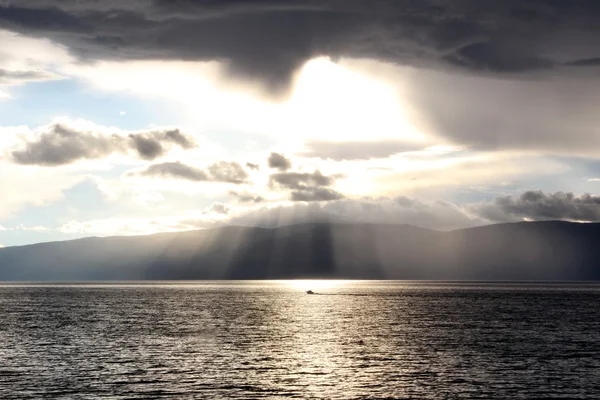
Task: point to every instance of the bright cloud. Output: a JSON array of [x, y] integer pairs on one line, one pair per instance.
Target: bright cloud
[[26, 59], [22, 188]]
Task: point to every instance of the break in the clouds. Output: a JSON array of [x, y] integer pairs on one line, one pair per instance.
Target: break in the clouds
[[221, 171], [61, 144], [270, 40]]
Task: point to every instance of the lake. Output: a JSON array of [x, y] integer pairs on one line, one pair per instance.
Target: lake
[[269, 339]]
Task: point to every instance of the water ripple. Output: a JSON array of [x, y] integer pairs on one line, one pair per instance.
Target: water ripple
[[258, 340]]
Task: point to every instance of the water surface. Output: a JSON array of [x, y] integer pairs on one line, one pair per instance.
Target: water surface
[[270, 339]]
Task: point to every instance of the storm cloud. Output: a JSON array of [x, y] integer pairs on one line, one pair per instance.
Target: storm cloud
[[269, 40], [222, 171], [61, 144]]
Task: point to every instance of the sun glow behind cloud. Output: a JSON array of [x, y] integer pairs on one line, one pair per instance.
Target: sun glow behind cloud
[[333, 102], [328, 100]]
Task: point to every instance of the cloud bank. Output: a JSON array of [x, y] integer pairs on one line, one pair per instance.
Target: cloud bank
[[437, 215], [539, 206], [443, 215]]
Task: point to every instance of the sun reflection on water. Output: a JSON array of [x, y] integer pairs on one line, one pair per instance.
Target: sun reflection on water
[[315, 284]]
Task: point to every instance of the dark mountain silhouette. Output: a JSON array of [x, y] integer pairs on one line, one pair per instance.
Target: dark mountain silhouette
[[528, 250]]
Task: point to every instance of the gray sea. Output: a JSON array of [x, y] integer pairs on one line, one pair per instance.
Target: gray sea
[[350, 340]]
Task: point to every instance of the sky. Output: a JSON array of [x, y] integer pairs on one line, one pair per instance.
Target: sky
[[144, 116]]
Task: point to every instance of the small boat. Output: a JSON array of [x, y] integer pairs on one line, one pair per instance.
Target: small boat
[[310, 292]]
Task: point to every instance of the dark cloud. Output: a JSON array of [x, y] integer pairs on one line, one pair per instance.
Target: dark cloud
[[222, 171], [357, 150], [147, 148], [61, 144], [150, 145], [278, 161], [269, 40], [537, 205], [175, 170], [307, 186], [301, 180], [250, 165]]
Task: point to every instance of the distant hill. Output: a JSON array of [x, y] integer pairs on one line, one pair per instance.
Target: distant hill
[[520, 251]]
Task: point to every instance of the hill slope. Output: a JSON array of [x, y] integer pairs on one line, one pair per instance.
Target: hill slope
[[533, 250]]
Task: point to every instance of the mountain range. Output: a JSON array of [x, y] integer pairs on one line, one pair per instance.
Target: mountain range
[[552, 250]]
